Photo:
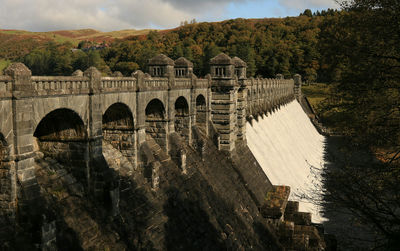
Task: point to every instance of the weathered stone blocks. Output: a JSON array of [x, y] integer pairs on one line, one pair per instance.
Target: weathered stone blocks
[[225, 97]]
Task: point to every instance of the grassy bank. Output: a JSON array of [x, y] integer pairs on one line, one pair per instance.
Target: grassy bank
[[316, 93], [3, 64]]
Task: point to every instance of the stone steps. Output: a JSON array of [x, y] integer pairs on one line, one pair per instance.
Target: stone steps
[[295, 228]]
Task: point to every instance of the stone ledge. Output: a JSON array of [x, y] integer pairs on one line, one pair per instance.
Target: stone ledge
[[275, 202]]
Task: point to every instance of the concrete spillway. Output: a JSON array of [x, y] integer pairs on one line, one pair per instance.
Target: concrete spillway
[[286, 145]]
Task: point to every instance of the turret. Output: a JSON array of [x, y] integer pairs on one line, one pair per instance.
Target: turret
[[183, 68], [161, 66], [240, 68], [222, 67]]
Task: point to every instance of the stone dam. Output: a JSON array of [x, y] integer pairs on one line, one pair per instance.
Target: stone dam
[[157, 161]]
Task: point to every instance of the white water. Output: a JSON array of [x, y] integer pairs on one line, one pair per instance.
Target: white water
[[286, 145]]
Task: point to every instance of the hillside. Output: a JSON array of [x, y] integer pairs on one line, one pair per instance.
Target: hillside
[[269, 46], [17, 43]]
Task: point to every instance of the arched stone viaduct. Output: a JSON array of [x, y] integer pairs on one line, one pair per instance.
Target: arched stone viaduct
[[67, 117]]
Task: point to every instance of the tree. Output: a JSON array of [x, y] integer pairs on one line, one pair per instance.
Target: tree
[[126, 68], [177, 51], [307, 12], [361, 45], [209, 52], [246, 52]]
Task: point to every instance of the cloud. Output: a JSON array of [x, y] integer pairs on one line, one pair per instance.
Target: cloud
[[42, 15], [309, 4], [106, 15], [197, 6]]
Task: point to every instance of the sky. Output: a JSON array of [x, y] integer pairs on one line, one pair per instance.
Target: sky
[[109, 15]]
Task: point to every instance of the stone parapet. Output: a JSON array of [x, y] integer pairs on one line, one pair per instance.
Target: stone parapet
[[265, 95], [154, 84], [118, 84], [201, 83], [46, 86], [182, 83]]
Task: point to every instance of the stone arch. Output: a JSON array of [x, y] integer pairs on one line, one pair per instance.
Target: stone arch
[[42, 107], [118, 116], [156, 123], [61, 135], [201, 110], [118, 129], [128, 99], [61, 124], [182, 117]]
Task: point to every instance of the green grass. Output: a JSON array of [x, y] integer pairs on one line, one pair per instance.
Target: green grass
[[13, 32], [62, 39], [3, 64], [316, 94], [319, 97]]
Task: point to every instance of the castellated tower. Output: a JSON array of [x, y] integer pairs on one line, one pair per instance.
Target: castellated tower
[[224, 90]]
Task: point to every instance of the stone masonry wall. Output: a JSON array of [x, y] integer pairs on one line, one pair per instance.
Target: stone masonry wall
[[7, 204], [157, 129], [71, 153], [123, 140], [31, 98], [224, 115], [182, 122]]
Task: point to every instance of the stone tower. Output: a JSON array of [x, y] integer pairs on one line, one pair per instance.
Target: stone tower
[[161, 66], [183, 68], [240, 73], [240, 68], [224, 90]]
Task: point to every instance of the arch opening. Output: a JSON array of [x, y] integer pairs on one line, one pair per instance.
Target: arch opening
[[118, 129], [201, 111], [61, 135], [182, 117], [156, 125]]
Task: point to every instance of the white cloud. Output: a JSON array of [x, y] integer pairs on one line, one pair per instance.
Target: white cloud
[[41, 15], [106, 15], [309, 4]]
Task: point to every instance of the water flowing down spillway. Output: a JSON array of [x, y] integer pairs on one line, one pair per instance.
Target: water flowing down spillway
[[286, 144]]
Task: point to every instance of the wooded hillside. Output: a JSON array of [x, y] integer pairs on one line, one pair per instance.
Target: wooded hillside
[[269, 46]]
